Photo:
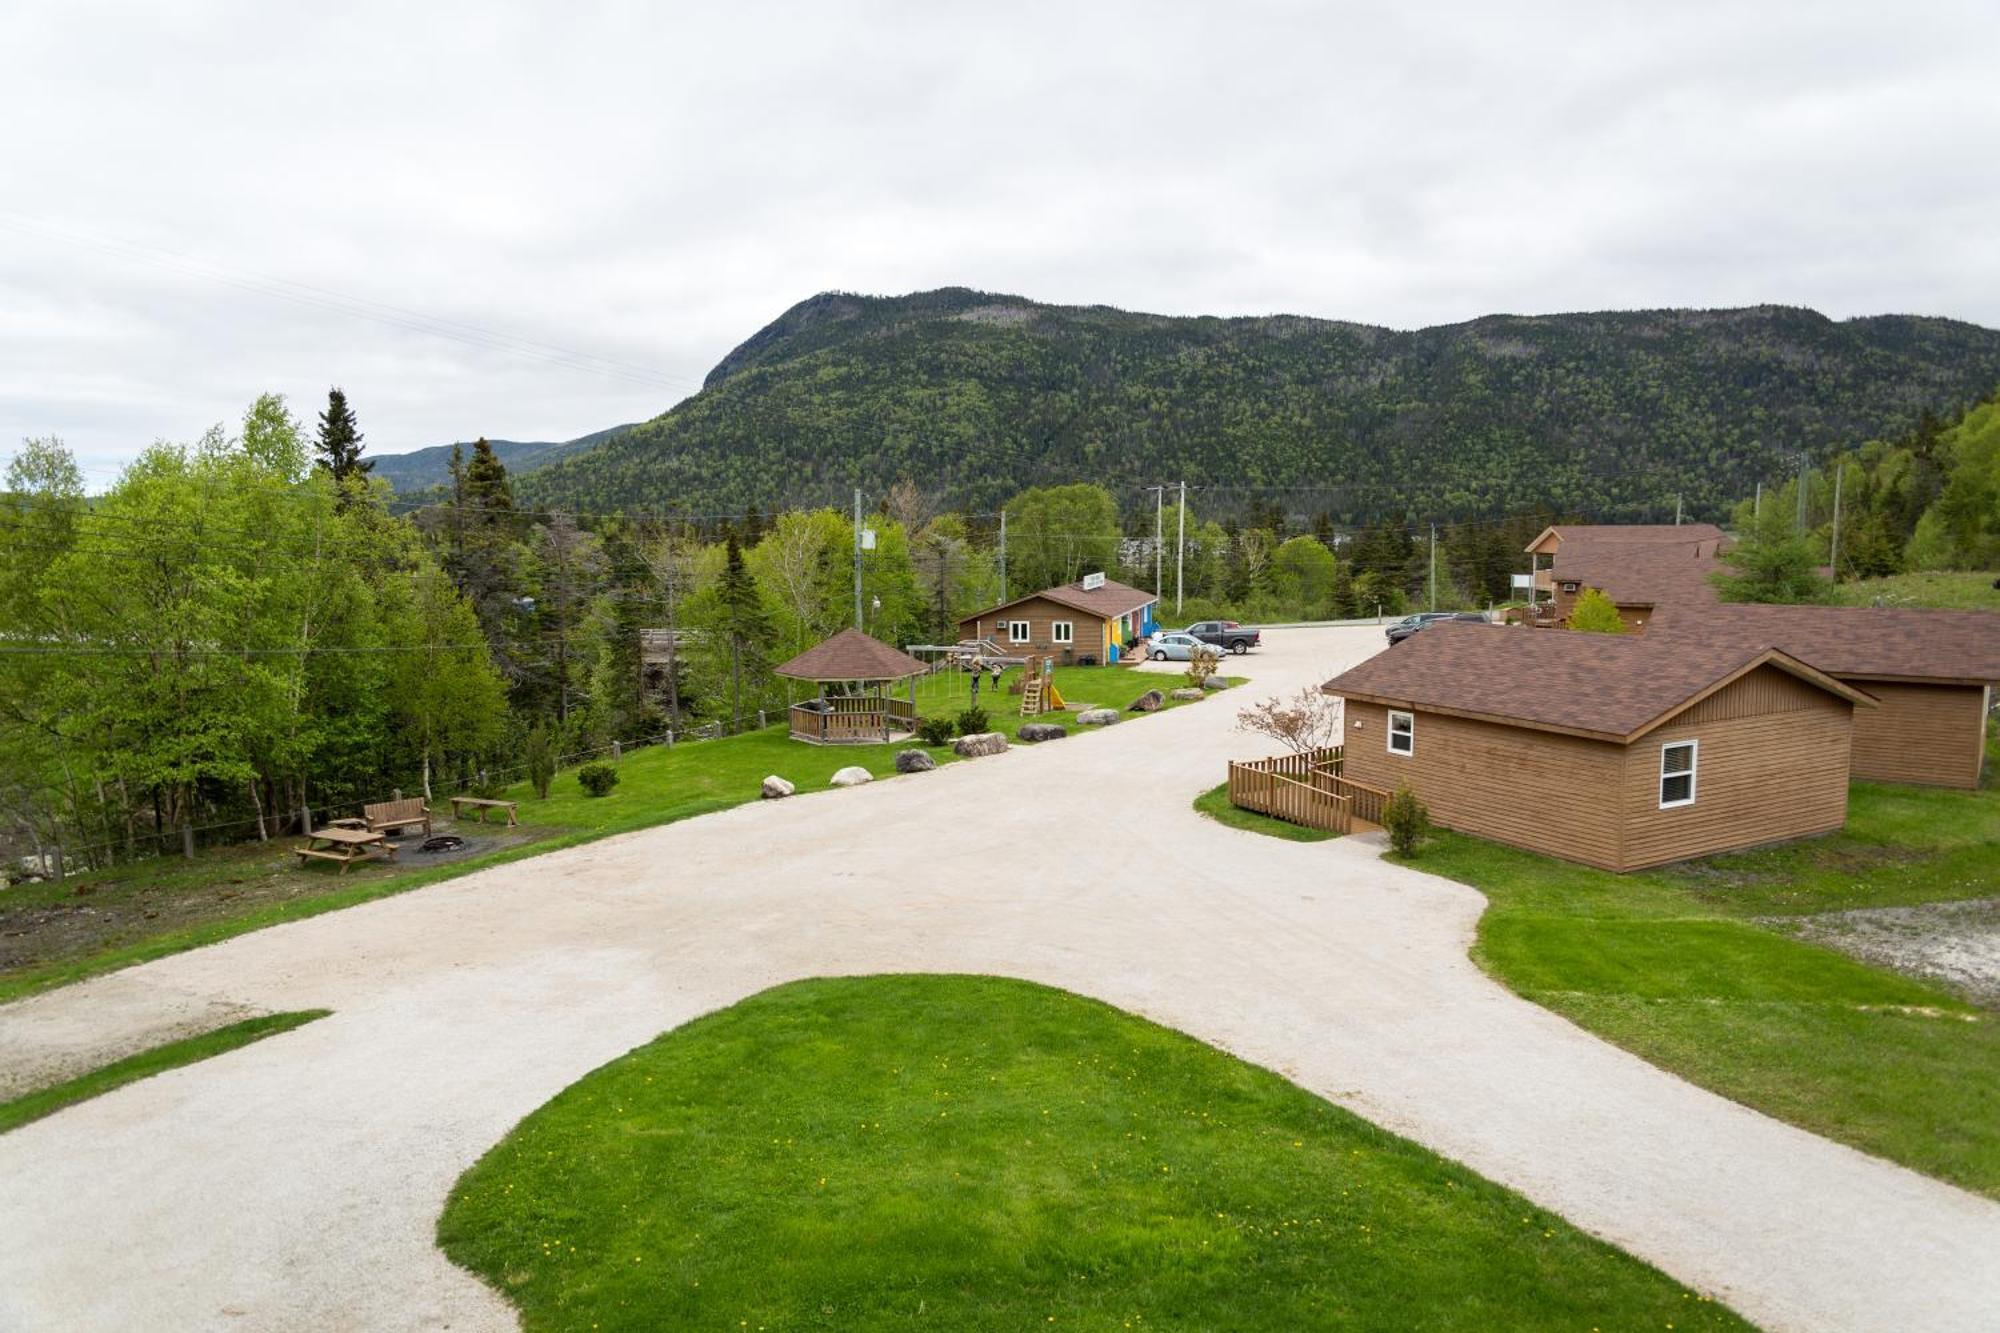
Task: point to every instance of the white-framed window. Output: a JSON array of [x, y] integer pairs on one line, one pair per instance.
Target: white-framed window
[[1018, 631], [1061, 632], [1677, 766], [1402, 733]]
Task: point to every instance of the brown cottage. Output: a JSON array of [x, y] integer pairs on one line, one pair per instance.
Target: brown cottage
[[1617, 751], [1095, 620]]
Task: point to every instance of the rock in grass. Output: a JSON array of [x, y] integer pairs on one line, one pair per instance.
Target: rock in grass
[[1149, 702], [775, 787], [979, 743], [914, 761], [1214, 683], [1097, 717], [852, 776], [1188, 694], [1033, 732]]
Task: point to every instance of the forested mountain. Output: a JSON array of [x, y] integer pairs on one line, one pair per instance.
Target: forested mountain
[[977, 395], [422, 469]]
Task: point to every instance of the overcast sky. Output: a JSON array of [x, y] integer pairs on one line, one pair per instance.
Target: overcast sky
[[197, 199]]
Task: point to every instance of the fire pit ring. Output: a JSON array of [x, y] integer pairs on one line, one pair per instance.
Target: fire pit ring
[[443, 842]]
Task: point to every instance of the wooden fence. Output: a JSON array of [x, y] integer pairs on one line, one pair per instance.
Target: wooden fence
[[1306, 789]]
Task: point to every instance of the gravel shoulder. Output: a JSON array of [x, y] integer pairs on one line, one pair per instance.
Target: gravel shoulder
[[1957, 943], [296, 1183]]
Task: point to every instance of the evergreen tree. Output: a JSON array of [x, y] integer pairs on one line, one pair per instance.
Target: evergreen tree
[[744, 624], [1596, 613], [338, 448]]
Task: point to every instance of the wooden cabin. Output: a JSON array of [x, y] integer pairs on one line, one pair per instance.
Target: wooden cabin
[[1619, 751], [1095, 620]]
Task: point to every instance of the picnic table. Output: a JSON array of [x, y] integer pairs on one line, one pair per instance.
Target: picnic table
[[482, 805], [346, 845]]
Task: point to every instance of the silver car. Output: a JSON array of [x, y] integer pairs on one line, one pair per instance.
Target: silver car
[[1175, 646]]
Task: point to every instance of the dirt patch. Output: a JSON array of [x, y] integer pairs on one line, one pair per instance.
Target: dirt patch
[[1956, 943], [49, 923]]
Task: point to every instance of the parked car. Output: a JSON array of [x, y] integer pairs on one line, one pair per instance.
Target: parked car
[[1174, 646], [1227, 635], [1409, 625]]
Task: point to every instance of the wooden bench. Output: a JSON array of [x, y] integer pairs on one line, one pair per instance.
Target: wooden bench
[[345, 846], [482, 805], [389, 816]]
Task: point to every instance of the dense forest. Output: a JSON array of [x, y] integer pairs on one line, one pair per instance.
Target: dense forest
[[1612, 415]]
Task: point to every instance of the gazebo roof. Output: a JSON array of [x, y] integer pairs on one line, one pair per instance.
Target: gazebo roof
[[852, 655]]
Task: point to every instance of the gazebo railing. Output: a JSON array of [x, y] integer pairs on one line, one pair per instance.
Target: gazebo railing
[[851, 718]]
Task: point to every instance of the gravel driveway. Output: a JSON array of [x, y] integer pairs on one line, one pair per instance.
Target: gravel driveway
[[295, 1183]]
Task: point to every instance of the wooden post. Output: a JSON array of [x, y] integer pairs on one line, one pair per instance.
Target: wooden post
[[617, 752], [187, 840]]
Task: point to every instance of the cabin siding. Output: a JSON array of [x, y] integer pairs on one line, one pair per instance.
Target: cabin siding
[[1772, 764], [1041, 616], [1932, 735], [1533, 789]]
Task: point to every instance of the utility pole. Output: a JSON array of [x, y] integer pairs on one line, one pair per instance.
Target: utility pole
[[1159, 540], [1180, 551], [1833, 557], [857, 557], [1434, 567], [1803, 471], [1677, 509], [1757, 505], [1003, 553]]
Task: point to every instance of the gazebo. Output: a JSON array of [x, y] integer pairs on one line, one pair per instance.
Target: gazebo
[[855, 675]]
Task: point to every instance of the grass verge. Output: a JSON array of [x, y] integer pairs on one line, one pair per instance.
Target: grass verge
[[1957, 590], [972, 1153], [55, 934], [1674, 965], [1215, 804], [172, 1055]]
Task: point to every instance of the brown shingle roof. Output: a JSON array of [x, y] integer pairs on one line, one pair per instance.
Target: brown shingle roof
[[1642, 573], [1614, 686], [1857, 641], [1573, 535], [1111, 599], [852, 655]]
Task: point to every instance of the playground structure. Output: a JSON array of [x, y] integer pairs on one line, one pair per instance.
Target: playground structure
[[1038, 687]]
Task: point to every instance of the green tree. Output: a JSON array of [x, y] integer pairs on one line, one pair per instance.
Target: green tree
[[1772, 562], [1057, 534], [338, 448], [737, 617], [1303, 575], [1596, 613]]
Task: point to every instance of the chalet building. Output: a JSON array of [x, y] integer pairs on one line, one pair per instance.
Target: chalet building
[[1932, 673], [1619, 751], [1092, 621], [1638, 566]]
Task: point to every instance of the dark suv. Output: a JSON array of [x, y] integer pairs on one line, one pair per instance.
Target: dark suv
[[1409, 625]]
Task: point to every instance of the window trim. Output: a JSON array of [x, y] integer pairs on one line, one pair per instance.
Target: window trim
[[1062, 631], [1693, 747], [1026, 631], [1411, 733]]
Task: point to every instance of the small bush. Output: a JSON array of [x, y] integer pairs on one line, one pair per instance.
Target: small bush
[[1406, 820], [936, 730], [598, 778], [541, 759], [1202, 663], [972, 721]]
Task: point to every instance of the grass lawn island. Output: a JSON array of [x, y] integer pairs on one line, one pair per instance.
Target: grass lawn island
[[857, 676], [1096, 620], [1619, 751]]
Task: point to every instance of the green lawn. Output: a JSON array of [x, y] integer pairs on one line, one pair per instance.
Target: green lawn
[[53, 934], [1963, 591], [970, 1153], [1215, 804], [172, 1055], [1670, 965]]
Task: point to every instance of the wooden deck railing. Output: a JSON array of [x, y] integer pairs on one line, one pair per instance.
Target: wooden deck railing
[[851, 719], [1297, 788]]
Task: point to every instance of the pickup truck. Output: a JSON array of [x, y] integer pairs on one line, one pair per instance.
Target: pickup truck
[[1227, 635]]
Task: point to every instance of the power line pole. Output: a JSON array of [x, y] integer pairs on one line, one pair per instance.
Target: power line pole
[[1180, 552], [1159, 540], [1833, 557], [1003, 553], [1677, 509], [1803, 472], [1434, 567], [1757, 505], [857, 557]]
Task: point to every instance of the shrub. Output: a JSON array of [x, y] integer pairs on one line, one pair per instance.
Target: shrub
[[1406, 820], [541, 759], [972, 721], [1596, 613], [1202, 663], [936, 730], [598, 778]]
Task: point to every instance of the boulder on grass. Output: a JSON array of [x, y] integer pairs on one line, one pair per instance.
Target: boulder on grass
[[979, 743], [1032, 732], [852, 776], [1149, 702], [1188, 694], [1097, 717], [914, 761], [1214, 683], [775, 787]]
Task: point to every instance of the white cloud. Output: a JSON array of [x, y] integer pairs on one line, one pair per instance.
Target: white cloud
[[653, 187]]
